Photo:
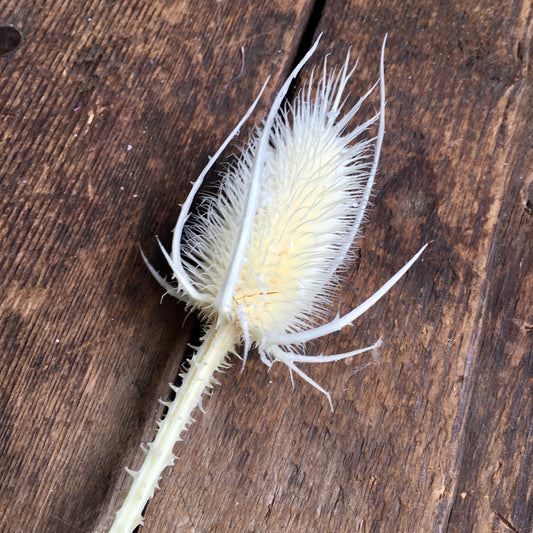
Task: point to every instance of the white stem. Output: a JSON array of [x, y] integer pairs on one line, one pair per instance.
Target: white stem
[[211, 356]]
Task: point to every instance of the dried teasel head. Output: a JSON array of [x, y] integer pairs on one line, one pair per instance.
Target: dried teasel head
[[264, 254]]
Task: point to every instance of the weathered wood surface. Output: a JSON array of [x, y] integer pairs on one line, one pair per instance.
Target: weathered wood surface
[[108, 111]]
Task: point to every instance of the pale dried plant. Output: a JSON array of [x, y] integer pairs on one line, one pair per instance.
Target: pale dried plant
[[261, 259]]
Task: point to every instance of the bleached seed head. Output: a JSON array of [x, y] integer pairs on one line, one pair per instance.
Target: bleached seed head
[[263, 254], [312, 184]]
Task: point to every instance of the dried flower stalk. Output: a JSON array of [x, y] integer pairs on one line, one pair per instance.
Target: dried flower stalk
[[260, 261]]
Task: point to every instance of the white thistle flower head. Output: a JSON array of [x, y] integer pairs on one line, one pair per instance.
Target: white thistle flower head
[[265, 252]]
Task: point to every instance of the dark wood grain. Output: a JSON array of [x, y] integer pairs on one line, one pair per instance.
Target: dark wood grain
[[108, 111]]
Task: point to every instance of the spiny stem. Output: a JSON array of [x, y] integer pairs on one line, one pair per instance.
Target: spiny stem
[[210, 356]]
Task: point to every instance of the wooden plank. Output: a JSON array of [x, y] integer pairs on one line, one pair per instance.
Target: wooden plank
[[109, 110], [434, 435]]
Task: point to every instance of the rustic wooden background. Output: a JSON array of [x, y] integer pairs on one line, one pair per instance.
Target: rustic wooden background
[[108, 110]]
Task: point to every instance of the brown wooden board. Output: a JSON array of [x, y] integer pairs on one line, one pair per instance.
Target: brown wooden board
[[109, 110]]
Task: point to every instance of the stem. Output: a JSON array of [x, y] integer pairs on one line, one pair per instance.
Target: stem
[[210, 356]]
